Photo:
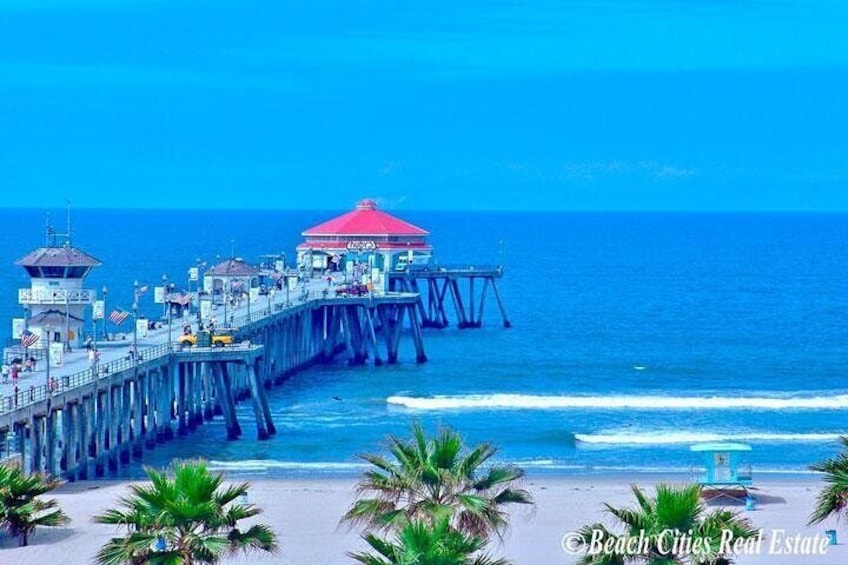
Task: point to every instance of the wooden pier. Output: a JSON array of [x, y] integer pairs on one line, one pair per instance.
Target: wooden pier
[[435, 284], [92, 422]]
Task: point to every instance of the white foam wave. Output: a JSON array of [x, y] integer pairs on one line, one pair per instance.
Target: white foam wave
[[538, 402], [669, 438], [265, 464]]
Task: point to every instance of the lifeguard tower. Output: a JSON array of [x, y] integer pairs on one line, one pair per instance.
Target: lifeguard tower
[[56, 300], [726, 473]]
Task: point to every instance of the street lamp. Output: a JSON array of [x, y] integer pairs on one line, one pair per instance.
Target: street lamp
[[164, 294], [67, 321], [47, 329], [167, 302], [135, 322], [105, 292], [200, 264]]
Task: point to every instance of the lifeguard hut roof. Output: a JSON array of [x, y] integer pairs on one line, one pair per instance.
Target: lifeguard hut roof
[[365, 219], [52, 317], [64, 256], [233, 268]]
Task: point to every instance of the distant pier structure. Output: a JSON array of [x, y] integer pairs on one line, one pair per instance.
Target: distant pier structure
[[387, 253], [435, 285]]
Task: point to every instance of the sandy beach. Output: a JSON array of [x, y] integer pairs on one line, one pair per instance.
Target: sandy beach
[[305, 516]]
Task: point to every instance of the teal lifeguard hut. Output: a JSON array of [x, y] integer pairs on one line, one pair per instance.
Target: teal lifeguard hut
[[726, 471]]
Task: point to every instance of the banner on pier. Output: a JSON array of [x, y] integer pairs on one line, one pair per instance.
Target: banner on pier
[[18, 327], [141, 327], [159, 295], [205, 309], [98, 310], [193, 273], [56, 353]]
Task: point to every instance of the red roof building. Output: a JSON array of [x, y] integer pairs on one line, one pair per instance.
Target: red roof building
[[365, 234]]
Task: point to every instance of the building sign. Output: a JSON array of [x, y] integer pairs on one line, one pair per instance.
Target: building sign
[[368, 245]]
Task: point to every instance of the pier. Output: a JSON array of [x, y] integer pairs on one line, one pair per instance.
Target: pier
[[91, 422], [363, 286]]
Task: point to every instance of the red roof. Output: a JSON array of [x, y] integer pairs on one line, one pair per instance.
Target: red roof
[[366, 219]]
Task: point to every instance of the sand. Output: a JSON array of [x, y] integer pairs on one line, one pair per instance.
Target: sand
[[305, 516]]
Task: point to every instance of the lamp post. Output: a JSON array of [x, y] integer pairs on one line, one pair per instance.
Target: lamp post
[[105, 292], [67, 321], [164, 294], [197, 290], [47, 330], [249, 286], [167, 302], [135, 322]]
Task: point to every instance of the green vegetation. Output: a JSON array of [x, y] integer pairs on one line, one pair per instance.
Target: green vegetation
[[420, 543], [21, 509], [436, 498], [185, 520], [833, 498], [674, 512]]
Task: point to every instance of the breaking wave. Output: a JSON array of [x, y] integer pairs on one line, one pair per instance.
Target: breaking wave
[[538, 402]]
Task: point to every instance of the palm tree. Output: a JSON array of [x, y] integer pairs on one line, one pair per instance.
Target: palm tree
[[675, 513], [188, 519], [420, 543], [21, 511], [833, 499], [429, 479]]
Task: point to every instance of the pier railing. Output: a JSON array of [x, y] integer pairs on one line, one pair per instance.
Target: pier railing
[[453, 269], [35, 394]]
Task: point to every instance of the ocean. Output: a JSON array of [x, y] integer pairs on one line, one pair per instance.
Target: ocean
[[634, 336]]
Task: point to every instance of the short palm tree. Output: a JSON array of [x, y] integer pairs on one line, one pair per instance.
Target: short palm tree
[[833, 499], [421, 543], [428, 479], [185, 520], [21, 509], [674, 511]]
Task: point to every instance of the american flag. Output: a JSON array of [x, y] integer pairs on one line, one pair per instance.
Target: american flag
[[28, 339], [118, 316]]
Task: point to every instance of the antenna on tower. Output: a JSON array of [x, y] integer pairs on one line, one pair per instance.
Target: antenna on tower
[[49, 232]]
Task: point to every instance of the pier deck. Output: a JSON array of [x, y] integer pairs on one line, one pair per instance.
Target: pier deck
[[92, 420]]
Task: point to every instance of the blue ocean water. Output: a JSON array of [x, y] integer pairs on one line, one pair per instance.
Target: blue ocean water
[[634, 336]]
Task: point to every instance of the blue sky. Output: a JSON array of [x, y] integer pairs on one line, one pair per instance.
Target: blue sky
[[627, 105]]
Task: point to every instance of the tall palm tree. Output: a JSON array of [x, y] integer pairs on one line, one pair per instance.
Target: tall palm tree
[[833, 499], [674, 512], [429, 479], [21, 509], [188, 519], [420, 543]]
